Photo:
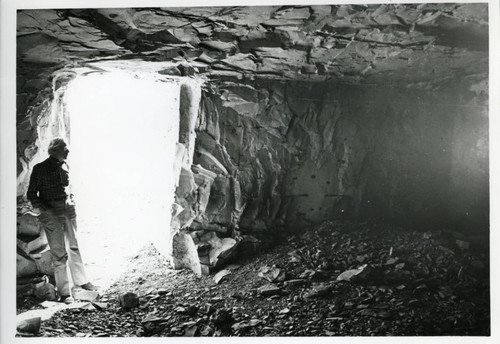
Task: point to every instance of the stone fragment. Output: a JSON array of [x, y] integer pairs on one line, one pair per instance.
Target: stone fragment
[[170, 71], [207, 309], [240, 325], [129, 300], [464, 245], [85, 295], [272, 274], [28, 224], [25, 266], [222, 252], [399, 266], [218, 45], [307, 274], [191, 310], [318, 290], [83, 305], [151, 323], [187, 70], [349, 274], [190, 331], [21, 245], [38, 244], [391, 261], [162, 291], [295, 282], [295, 256], [233, 267], [222, 319], [100, 305], [221, 275], [375, 313], [31, 325], [45, 291], [269, 290]]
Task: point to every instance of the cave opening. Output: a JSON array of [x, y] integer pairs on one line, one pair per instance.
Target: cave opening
[[123, 133]]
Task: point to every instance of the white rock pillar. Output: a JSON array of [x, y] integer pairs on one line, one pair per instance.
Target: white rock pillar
[[184, 253]]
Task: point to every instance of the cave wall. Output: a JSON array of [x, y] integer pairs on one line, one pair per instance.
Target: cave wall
[[258, 156], [298, 153]]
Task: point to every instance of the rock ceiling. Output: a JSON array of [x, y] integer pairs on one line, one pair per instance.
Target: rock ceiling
[[397, 43]]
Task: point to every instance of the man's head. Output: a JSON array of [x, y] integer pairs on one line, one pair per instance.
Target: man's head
[[58, 149]]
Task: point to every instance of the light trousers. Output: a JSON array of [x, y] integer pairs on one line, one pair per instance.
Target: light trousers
[[59, 222]]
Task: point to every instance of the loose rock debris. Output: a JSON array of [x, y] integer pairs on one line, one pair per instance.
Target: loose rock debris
[[341, 279]]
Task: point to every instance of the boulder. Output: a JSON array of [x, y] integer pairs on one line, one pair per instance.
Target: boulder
[[25, 266], [129, 300], [45, 291], [28, 224], [31, 325]]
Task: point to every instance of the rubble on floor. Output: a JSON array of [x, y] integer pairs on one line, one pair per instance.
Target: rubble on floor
[[339, 279]]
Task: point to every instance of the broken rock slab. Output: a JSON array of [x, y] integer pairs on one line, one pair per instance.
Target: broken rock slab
[[49, 309], [272, 274], [318, 290], [269, 290], [350, 274], [85, 295], [295, 282], [221, 275]]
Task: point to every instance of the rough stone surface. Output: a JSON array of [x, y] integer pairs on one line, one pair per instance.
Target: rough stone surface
[[306, 113], [323, 154]]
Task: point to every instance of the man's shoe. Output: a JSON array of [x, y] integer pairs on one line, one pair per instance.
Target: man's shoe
[[68, 299], [89, 286]]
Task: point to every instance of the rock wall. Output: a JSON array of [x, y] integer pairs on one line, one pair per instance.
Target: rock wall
[[297, 153], [260, 156]]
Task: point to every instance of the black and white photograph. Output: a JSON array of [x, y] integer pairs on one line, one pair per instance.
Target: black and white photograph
[[238, 169]]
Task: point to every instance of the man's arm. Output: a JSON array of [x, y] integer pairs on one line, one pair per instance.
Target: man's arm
[[33, 187]]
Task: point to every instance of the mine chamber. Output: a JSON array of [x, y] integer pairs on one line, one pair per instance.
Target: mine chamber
[[247, 158]]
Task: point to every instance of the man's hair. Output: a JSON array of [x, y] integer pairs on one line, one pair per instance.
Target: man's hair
[[54, 144]]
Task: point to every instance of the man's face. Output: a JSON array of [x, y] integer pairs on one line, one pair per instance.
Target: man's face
[[61, 152]]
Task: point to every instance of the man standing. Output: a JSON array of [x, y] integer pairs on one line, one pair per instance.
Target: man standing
[[47, 194]]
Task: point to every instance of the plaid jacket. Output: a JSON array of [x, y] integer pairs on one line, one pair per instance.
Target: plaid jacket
[[48, 182]]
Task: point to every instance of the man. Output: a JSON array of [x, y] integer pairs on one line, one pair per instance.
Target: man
[[47, 194]]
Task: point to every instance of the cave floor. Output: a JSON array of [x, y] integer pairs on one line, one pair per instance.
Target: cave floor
[[404, 283]]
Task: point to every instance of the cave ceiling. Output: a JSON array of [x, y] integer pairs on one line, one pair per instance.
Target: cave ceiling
[[387, 43]]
